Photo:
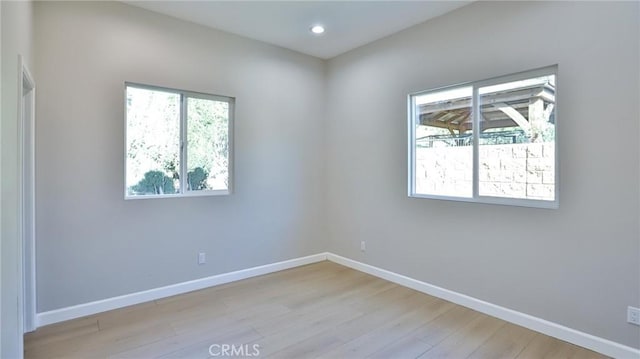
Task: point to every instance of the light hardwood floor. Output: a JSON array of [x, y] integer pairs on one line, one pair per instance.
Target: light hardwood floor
[[321, 310]]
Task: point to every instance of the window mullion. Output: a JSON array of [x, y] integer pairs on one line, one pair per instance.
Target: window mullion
[[475, 130], [183, 143]]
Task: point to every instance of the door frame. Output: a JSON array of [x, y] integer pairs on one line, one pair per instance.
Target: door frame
[[26, 183]]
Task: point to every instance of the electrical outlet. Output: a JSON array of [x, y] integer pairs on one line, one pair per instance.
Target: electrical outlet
[[202, 258], [633, 315], [363, 246]]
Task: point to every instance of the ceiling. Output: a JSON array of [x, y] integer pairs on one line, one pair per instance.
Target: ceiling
[[349, 24]]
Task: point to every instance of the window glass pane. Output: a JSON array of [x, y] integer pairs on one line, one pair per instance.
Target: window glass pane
[[208, 144], [517, 139], [153, 142], [443, 143]]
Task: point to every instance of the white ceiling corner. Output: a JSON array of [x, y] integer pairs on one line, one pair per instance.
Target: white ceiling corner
[[349, 24]]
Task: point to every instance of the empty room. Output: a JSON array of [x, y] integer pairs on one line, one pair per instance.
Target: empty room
[[320, 179]]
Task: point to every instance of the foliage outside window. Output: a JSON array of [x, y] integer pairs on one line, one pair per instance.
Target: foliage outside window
[[491, 141], [178, 143]]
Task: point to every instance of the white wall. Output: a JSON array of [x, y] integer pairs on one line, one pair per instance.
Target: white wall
[[579, 265], [17, 27], [92, 244]]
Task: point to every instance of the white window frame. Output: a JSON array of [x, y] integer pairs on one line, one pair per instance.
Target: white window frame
[[476, 198], [183, 192]]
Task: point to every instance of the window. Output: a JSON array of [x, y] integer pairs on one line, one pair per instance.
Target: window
[[178, 143], [491, 141]]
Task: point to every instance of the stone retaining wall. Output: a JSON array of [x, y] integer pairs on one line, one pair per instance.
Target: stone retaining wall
[[524, 170]]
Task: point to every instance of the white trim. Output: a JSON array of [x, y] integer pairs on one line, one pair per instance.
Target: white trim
[[81, 310], [411, 134], [184, 145], [26, 193], [26, 198], [475, 132], [600, 345]]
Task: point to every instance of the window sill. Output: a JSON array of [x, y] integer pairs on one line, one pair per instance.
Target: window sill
[[190, 194], [493, 200]]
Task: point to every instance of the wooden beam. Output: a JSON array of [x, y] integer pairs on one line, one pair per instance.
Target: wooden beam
[[451, 115], [514, 115], [508, 96], [467, 119], [460, 114], [466, 125], [446, 118], [441, 115], [536, 119], [486, 125], [496, 115]]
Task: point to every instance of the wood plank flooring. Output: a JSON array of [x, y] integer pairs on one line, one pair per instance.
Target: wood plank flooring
[[322, 310]]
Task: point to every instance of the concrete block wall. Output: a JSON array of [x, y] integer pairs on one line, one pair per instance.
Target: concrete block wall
[[523, 170]]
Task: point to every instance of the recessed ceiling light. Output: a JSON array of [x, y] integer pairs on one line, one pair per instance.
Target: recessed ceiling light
[[317, 29]]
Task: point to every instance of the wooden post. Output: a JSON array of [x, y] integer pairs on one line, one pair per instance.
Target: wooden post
[[536, 118]]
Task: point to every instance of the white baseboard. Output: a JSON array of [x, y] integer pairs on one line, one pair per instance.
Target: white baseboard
[[600, 345], [555, 330], [81, 310]]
